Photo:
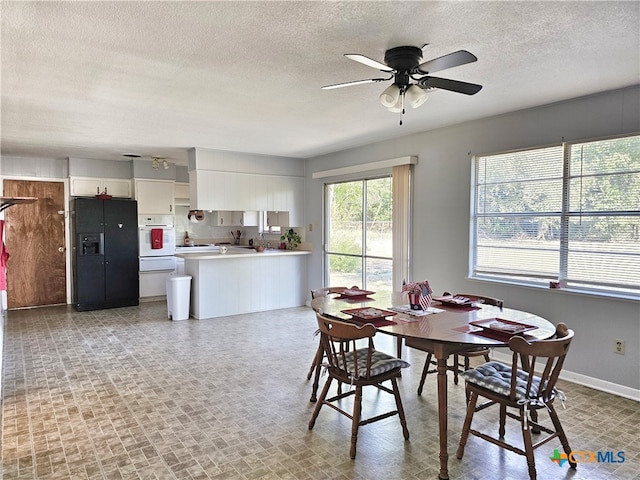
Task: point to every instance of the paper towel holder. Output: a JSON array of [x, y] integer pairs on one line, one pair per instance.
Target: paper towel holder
[[196, 216]]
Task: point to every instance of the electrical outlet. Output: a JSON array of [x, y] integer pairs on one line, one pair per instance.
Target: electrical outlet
[[618, 347]]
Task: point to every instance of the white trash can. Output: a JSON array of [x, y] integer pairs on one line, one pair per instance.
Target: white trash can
[[178, 296]]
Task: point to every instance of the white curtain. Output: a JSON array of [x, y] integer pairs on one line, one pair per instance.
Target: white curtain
[[401, 187]]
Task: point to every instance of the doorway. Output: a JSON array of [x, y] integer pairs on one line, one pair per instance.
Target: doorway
[[35, 240]]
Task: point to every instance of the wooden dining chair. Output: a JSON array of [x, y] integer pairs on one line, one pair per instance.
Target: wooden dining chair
[[356, 367], [430, 364], [317, 358], [523, 389]]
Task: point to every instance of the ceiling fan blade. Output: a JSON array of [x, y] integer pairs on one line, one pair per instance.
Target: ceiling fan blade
[[454, 59], [369, 62], [451, 85], [357, 82]]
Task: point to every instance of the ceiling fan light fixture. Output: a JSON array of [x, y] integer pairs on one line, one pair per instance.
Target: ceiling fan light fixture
[[397, 107], [390, 96], [416, 96]]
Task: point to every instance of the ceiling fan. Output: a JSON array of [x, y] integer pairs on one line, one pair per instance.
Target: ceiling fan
[[411, 77]]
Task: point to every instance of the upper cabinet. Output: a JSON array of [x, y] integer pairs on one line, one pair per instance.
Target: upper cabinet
[[246, 218], [181, 194], [278, 219], [222, 218], [213, 190], [227, 218], [89, 187], [155, 197]]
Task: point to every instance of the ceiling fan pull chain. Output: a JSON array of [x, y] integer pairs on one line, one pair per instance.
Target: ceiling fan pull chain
[[402, 110]]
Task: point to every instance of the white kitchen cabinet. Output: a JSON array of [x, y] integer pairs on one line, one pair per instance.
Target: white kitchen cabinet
[[246, 218], [89, 187], [155, 197], [295, 202], [222, 218], [206, 190], [277, 219], [231, 191]]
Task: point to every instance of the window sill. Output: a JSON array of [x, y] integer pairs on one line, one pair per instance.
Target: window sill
[[568, 291]]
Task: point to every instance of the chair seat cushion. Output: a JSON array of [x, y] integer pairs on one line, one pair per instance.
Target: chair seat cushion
[[380, 363], [496, 376]]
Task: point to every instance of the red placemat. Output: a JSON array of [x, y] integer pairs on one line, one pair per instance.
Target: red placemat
[[377, 322], [464, 308], [503, 326], [503, 337], [375, 316], [354, 293], [465, 304], [369, 313]]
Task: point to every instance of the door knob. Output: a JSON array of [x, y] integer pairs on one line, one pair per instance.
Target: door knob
[[61, 249]]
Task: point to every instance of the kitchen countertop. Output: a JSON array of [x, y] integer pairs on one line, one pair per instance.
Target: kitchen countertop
[[199, 249], [238, 252]]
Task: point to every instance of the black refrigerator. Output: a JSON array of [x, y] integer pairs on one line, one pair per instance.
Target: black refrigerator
[[106, 254]]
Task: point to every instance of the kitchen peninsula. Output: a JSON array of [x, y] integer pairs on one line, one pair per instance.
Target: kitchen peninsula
[[245, 281]]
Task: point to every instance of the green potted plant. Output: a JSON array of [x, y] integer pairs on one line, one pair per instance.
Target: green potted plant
[[292, 239]]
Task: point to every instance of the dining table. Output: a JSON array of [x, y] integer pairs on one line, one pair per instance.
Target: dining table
[[450, 328]]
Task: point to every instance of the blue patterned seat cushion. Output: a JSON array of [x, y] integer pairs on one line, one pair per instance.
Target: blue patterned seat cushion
[[380, 363], [496, 376]]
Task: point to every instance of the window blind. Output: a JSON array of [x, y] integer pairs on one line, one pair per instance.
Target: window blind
[[568, 213]]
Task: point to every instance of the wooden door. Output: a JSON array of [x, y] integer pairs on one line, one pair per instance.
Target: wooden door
[[35, 240]]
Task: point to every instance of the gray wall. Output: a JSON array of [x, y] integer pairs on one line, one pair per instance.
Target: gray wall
[[84, 167], [441, 219]]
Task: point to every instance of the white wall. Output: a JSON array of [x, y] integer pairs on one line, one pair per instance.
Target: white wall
[[224, 161], [441, 221], [30, 167]]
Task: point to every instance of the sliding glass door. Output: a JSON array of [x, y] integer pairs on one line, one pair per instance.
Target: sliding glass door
[[359, 242]]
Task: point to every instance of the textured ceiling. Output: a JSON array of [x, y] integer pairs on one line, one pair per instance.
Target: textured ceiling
[[98, 79]]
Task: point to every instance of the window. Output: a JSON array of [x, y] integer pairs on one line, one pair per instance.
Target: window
[[568, 213], [359, 234]]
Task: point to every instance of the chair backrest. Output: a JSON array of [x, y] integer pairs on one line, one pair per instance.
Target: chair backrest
[[323, 292], [338, 340], [485, 299], [549, 356]]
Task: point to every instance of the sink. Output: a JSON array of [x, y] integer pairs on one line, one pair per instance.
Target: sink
[[242, 246]]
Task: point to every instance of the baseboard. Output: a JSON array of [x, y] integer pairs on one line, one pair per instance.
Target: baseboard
[[155, 298], [591, 382]]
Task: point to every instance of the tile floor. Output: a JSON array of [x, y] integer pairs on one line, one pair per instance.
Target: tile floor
[[126, 393]]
